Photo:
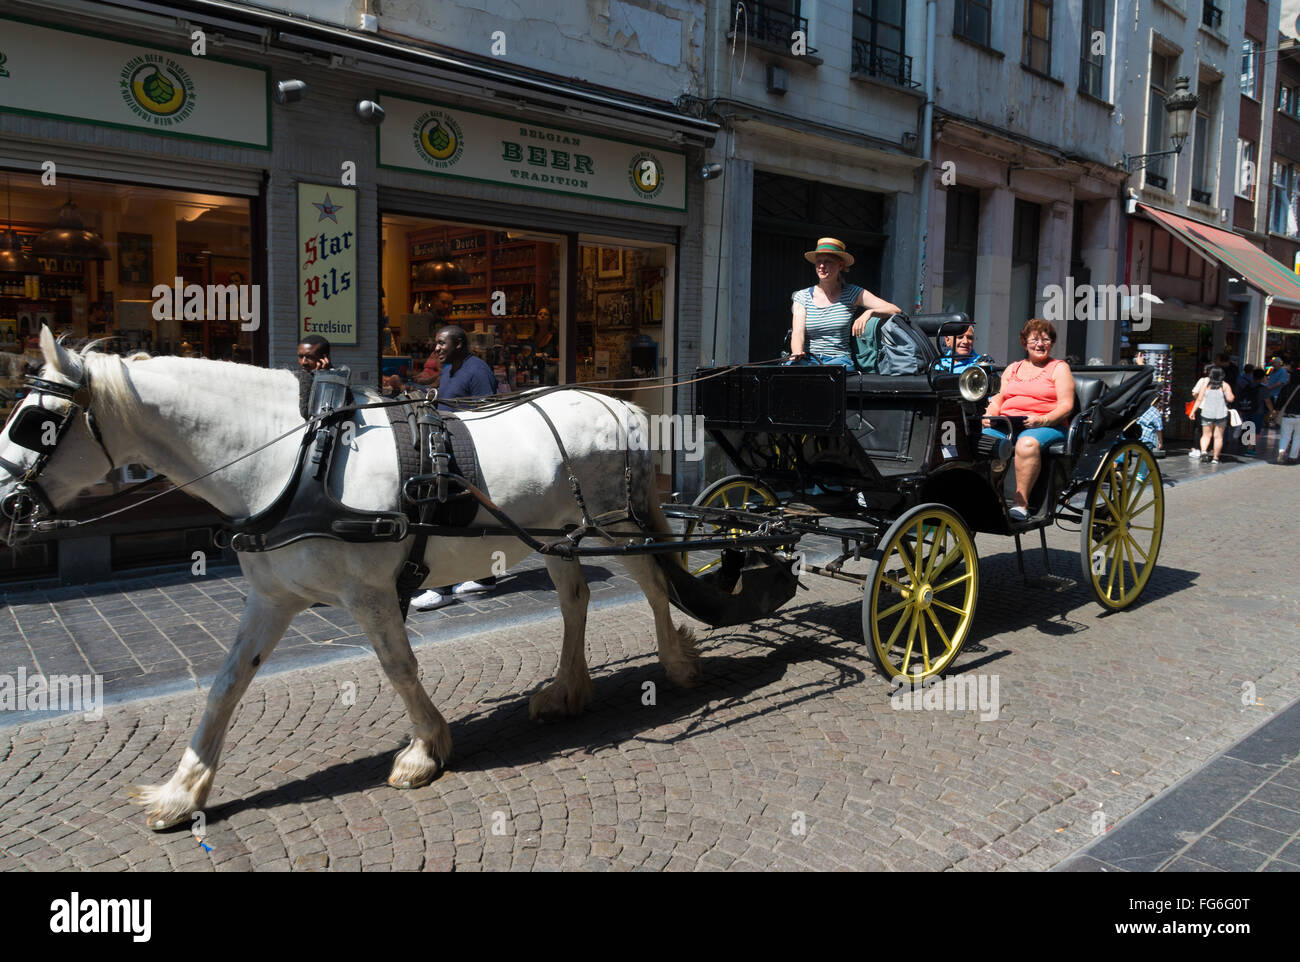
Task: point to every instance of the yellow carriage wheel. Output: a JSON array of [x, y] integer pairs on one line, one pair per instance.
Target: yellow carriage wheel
[[733, 491], [1123, 525], [920, 597]]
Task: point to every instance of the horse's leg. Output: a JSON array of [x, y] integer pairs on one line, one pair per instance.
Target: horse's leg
[[677, 649], [419, 762], [263, 624], [569, 692]]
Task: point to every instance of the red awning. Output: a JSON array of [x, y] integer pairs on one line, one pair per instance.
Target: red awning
[[1235, 253]]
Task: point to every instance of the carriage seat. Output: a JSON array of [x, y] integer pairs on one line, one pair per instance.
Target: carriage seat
[[1102, 397]]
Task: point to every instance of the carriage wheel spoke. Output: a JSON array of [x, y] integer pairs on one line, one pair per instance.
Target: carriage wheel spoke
[[947, 607], [940, 539], [948, 584], [947, 642], [925, 643], [948, 558], [898, 627], [893, 608], [898, 586], [1110, 563], [911, 639]]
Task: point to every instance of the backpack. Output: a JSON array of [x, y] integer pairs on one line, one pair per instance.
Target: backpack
[[890, 346]]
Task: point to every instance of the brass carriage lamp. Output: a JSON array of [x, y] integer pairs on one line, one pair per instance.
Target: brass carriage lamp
[[1181, 107]]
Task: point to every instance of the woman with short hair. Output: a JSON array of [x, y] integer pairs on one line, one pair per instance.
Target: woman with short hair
[[1041, 390]]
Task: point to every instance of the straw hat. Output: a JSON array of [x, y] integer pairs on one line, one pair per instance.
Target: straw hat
[[832, 246]]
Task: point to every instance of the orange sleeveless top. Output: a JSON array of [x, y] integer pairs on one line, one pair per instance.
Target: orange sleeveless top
[[1035, 395]]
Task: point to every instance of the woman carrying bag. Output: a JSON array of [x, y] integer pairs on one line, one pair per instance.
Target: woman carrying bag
[[1212, 400]]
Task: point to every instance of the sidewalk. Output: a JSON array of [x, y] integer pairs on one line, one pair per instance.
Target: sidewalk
[[1238, 813]]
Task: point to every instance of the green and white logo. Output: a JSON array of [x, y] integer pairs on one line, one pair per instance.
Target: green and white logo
[[438, 139], [157, 89], [646, 175], [3, 71]]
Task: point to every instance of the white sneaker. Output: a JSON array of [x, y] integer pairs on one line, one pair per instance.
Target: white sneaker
[[429, 600], [1019, 514], [1194, 453], [470, 588]]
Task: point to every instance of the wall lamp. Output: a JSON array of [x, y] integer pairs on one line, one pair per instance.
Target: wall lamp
[[290, 91], [1181, 107], [370, 113]]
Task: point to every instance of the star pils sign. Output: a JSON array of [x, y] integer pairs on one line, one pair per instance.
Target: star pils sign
[[327, 262]]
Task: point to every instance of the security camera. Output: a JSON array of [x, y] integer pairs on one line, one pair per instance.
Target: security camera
[[290, 91], [710, 170], [370, 112]]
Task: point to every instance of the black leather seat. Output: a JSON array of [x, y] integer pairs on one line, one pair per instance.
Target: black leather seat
[[1119, 386]]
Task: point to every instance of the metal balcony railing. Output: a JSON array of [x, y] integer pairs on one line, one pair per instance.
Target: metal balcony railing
[[1201, 196], [775, 26], [882, 63], [1211, 15]]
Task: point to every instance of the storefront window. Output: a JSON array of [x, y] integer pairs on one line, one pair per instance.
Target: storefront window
[[506, 287], [102, 282], [146, 237], [501, 286]]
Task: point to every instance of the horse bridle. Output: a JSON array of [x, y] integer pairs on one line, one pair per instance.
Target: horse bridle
[[28, 507]]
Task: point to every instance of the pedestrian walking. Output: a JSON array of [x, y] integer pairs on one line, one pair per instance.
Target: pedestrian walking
[[1288, 411], [1212, 401]]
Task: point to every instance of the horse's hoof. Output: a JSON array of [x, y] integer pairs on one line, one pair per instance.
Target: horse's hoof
[[413, 767], [554, 702], [160, 816]]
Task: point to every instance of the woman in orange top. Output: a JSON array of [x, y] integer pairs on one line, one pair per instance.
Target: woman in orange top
[[1040, 389]]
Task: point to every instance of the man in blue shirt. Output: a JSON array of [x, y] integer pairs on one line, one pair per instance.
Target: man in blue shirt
[[463, 375]]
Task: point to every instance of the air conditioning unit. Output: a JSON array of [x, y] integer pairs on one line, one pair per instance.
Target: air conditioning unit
[[776, 79]]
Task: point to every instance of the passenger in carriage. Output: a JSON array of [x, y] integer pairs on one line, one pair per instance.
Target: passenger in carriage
[[1041, 390], [961, 352], [822, 316]]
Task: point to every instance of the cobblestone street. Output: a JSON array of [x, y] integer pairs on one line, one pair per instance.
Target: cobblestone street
[[788, 755]]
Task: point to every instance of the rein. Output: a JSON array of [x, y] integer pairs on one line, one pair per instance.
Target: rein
[[79, 398]]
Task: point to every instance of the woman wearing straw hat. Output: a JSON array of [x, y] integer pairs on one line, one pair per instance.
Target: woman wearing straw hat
[[822, 316]]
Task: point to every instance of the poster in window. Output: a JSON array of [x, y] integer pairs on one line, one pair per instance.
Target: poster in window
[[134, 258], [610, 262]]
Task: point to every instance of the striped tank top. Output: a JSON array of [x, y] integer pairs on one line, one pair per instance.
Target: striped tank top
[[829, 329]]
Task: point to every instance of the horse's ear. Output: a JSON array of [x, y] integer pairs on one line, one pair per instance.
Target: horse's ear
[[55, 356]]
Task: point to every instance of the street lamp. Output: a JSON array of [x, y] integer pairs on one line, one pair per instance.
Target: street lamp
[[1181, 107]]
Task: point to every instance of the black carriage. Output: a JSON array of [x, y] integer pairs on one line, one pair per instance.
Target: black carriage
[[898, 469]]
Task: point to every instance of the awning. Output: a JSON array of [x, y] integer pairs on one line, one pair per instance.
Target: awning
[[1235, 253]]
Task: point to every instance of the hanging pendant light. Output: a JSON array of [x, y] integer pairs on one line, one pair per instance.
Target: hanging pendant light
[[447, 272], [12, 257], [69, 238]]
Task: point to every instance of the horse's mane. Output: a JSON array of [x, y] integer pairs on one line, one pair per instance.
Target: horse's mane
[[112, 392]]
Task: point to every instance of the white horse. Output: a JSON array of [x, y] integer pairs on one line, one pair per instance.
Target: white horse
[[184, 417]]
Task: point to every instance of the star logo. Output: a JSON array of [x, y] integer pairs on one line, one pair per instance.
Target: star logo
[[327, 209]]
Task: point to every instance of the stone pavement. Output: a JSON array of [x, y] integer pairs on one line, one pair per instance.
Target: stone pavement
[[165, 633], [788, 755], [1238, 813]]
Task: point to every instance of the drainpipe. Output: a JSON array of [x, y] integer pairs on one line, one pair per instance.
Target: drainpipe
[[1261, 335], [927, 122]]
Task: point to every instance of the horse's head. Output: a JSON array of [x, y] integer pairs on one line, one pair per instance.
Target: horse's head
[[47, 450]]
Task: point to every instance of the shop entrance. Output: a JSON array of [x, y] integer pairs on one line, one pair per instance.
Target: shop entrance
[[541, 308]]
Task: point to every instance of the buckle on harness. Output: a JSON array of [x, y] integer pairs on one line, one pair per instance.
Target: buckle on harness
[[388, 529]]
